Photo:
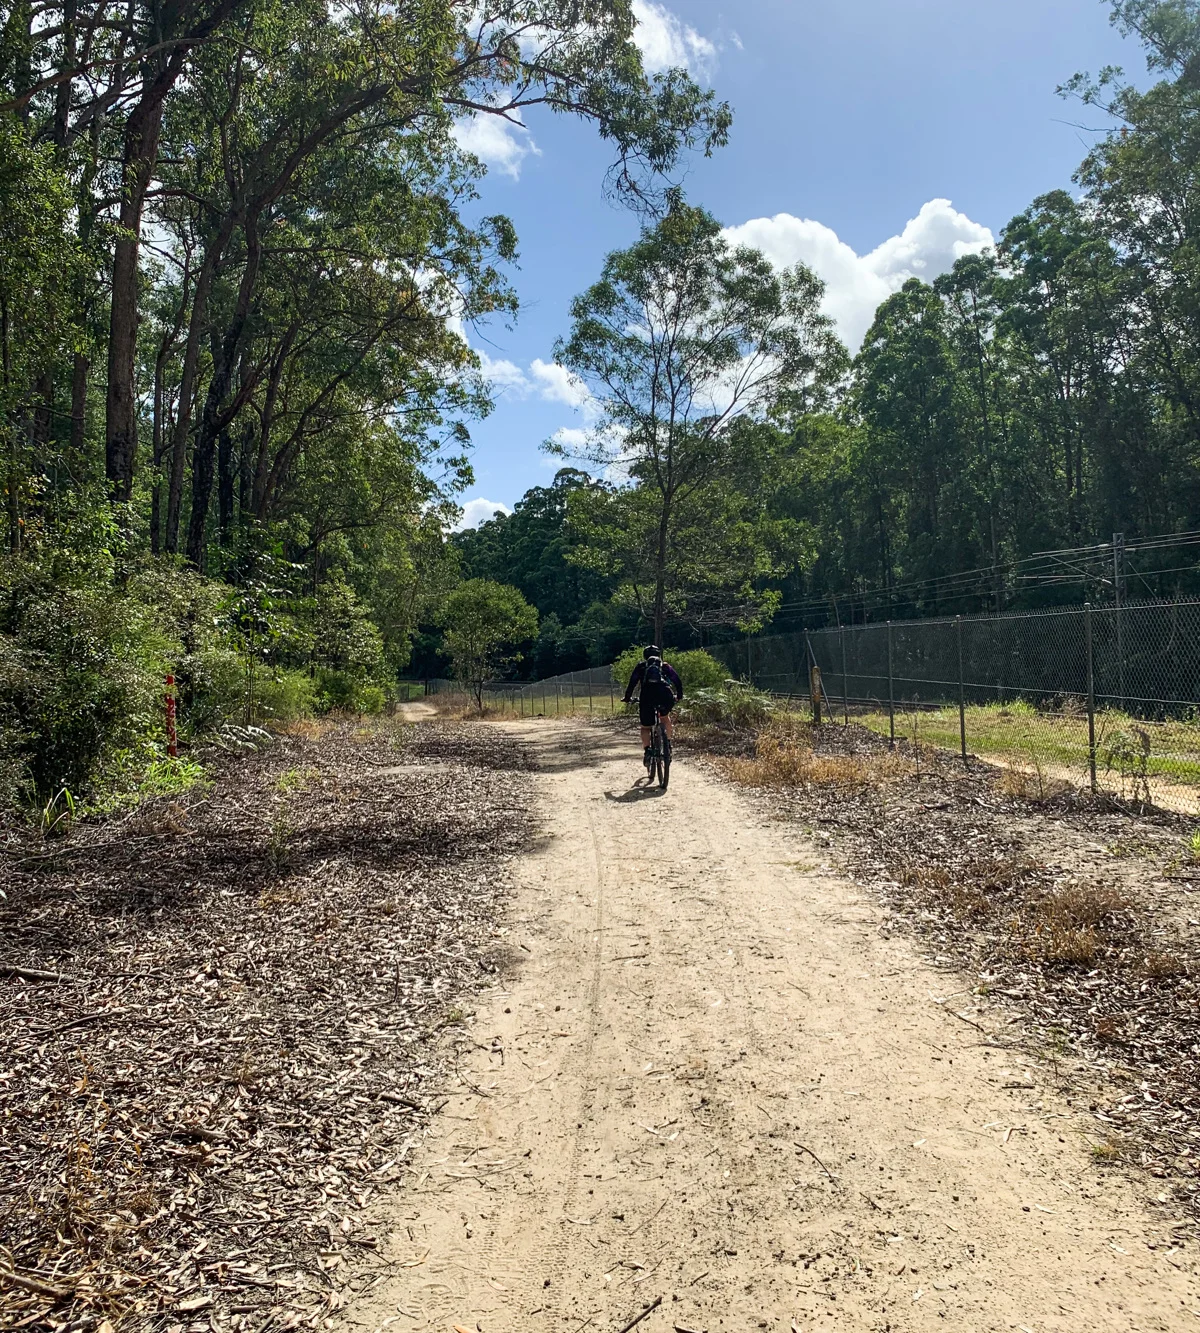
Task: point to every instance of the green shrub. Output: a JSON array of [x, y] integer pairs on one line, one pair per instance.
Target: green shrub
[[697, 669], [82, 662], [283, 696], [734, 705], [344, 692], [212, 688], [371, 698], [127, 786]]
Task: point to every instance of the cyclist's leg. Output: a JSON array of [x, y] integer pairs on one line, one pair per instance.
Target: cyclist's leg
[[646, 736]]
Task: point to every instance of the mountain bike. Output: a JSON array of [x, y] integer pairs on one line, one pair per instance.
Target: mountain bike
[[658, 765], [660, 753]]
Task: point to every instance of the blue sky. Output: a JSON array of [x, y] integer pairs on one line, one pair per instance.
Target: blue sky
[[873, 139]]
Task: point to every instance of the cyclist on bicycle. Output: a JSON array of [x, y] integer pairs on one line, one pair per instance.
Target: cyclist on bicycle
[[661, 687]]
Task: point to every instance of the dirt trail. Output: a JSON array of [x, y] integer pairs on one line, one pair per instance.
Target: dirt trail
[[696, 997]]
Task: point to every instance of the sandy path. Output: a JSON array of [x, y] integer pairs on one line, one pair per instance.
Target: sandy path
[[684, 1016]]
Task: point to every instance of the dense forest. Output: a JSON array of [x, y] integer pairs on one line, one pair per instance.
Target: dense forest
[[1036, 399], [239, 241]]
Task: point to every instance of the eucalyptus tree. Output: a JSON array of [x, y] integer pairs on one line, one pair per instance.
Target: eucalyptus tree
[[684, 340], [318, 69]]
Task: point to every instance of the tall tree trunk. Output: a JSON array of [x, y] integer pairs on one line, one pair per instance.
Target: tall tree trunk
[[157, 454], [218, 387], [660, 574], [12, 428], [120, 431], [12, 487], [43, 413], [225, 480], [79, 388], [139, 156], [213, 254]]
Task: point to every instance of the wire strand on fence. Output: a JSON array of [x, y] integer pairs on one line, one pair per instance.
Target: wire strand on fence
[[1107, 697]]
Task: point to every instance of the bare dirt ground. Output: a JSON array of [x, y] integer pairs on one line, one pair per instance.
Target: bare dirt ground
[[713, 1092]]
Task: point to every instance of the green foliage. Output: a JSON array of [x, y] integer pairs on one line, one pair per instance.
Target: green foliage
[[39, 264], [282, 696], [345, 692], [485, 622], [82, 662], [531, 548], [732, 704], [160, 777], [697, 669], [690, 344]]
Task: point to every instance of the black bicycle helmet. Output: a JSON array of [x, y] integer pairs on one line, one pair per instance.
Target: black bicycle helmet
[[652, 651]]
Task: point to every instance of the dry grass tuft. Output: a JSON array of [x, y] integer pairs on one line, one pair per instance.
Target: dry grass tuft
[[1020, 784], [1111, 1152], [1164, 966], [306, 728], [1073, 925], [784, 757]]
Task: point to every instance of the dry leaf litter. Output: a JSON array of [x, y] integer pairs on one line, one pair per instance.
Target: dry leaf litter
[[238, 1055]]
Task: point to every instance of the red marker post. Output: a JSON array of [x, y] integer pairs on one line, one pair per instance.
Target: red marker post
[[172, 747]]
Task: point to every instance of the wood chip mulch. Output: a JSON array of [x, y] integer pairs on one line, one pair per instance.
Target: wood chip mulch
[[218, 1019], [1012, 889]]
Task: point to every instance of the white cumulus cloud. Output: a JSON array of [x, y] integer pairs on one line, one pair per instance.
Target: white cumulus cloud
[[478, 511], [666, 42], [503, 374], [544, 379], [496, 142], [572, 438], [556, 384], [857, 284]]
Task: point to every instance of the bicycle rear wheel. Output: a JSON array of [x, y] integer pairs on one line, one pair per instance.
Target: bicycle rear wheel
[[664, 759]]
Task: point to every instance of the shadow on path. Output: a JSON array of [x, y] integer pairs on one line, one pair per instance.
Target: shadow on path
[[641, 791]]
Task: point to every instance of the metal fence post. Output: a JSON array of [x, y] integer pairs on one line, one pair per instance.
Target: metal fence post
[[891, 694], [1091, 694], [962, 697], [1118, 573], [845, 680]]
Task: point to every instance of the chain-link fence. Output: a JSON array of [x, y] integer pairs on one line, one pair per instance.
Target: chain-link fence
[[1106, 697], [591, 691]]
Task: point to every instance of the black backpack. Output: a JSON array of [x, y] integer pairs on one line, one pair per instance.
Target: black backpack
[[654, 673]]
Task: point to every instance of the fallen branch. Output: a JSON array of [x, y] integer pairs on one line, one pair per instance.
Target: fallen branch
[[397, 1100], [31, 973], [637, 1319], [79, 1022], [35, 1284]]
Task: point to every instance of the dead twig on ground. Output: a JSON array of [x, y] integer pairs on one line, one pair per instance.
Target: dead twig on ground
[[637, 1319], [37, 1285], [31, 973], [816, 1159]]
